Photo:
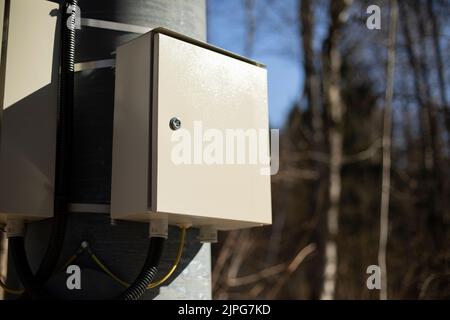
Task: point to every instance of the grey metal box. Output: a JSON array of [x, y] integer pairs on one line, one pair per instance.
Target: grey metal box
[[30, 66]]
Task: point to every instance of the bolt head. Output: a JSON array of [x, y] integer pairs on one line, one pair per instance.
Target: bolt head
[[175, 123]]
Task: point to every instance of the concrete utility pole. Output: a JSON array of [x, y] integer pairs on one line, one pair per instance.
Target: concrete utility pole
[[121, 245]]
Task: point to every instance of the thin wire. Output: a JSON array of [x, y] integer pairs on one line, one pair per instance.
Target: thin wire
[[10, 290], [105, 269], [152, 285], [20, 291], [69, 261], [174, 265]]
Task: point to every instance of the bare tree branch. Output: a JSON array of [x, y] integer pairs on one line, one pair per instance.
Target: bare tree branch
[[291, 268], [387, 141], [367, 154]]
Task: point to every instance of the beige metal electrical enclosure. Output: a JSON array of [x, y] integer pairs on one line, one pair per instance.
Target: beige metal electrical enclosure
[[29, 86], [191, 171]]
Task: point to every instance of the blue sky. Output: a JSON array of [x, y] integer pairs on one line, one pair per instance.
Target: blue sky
[[273, 47]]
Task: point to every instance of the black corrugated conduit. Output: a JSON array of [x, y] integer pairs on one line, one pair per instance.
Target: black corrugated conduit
[[33, 284], [148, 272], [63, 145]]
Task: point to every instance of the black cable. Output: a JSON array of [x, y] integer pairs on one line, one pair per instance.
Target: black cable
[[23, 271], [148, 272], [63, 164], [35, 290], [16, 246], [63, 144]]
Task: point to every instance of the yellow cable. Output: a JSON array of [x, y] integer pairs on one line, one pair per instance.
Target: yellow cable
[[20, 291], [68, 262], [174, 265], [107, 271], [153, 284], [111, 274], [9, 290]]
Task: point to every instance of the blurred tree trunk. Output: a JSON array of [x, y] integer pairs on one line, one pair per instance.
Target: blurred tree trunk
[[439, 63], [442, 184], [387, 137], [312, 85], [419, 87], [312, 92], [438, 193], [332, 63], [434, 188], [250, 27]]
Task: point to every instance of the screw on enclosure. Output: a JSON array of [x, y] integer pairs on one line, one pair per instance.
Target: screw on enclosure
[[175, 123]]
